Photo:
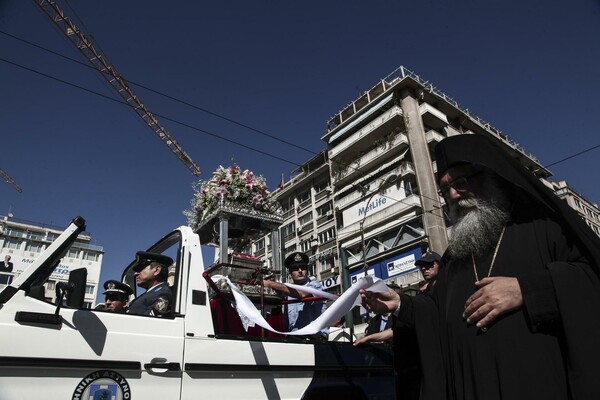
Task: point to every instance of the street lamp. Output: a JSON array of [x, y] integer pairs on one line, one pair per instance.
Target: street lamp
[[389, 180]]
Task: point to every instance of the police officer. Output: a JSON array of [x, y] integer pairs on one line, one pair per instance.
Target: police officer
[[300, 314], [429, 263], [116, 296], [151, 273]]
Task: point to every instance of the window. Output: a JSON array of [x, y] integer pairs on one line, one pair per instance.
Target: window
[[321, 211], [35, 235], [33, 247], [305, 246], [290, 250], [326, 236], [328, 264], [50, 285], [73, 253], [287, 204], [320, 186], [260, 245], [89, 289], [14, 232], [304, 196], [288, 230], [89, 256], [305, 219], [51, 236], [12, 244]]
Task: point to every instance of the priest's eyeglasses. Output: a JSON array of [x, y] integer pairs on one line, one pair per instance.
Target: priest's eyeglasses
[[461, 185]]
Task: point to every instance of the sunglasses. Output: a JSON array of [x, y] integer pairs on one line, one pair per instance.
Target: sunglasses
[[461, 185], [298, 268]]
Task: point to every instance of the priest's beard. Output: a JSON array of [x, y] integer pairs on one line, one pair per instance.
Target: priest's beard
[[477, 222]]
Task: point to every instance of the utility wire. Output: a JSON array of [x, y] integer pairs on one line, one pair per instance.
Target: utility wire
[[573, 156], [166, 95], [339, 163], [217, 115], [162, 116]]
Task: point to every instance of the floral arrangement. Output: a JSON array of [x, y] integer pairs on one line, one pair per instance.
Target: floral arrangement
[[229, 189]]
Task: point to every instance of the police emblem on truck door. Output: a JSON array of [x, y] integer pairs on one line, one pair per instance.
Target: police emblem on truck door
[[102, 385]]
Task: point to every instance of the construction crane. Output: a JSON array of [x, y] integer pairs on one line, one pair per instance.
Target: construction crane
[[115, 80], [11, 181]]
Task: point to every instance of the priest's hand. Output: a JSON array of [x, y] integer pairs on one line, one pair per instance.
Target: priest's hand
[[494, 296], [380, 302]]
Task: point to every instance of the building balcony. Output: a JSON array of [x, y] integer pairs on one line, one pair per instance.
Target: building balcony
[[433, 137], [433, 117], [407, 168], [368, 161], [387, 122]]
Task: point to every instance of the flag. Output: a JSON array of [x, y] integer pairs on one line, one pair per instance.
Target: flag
[[280, 186]]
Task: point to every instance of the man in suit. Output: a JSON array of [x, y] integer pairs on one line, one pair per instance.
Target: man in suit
[[6, 266], [151, 273]]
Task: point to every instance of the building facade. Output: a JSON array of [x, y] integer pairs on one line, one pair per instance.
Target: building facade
[[587, 210], [24, 241], [368, 204]]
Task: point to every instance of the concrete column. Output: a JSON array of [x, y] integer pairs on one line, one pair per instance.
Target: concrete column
[[435, 227]]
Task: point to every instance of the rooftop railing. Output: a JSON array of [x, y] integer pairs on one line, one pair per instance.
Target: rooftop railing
[[400, 73]]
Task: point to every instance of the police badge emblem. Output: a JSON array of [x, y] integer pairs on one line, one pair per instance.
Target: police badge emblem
[[162, 305], [100, 385]]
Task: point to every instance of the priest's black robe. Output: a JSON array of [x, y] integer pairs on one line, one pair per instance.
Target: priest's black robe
[[545, 350]]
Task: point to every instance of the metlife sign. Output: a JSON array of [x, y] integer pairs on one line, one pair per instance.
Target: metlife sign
[[378, 203]]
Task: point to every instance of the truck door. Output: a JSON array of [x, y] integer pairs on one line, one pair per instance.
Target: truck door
[[91, 350], [88, 355]]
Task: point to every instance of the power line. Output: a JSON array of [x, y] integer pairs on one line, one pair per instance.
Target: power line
[[336, 162], [573, 156], [339, 163], [216, 114], [162, 116], [204, 110]]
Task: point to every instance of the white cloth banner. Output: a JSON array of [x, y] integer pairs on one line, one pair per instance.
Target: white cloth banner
[[250, 315]]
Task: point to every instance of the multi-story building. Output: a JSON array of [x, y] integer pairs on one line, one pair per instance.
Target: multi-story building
[[383, 169], [24, 241], [368, 203], [588, 211], [308, 222]]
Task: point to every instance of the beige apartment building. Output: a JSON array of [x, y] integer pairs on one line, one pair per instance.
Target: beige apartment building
[[368, 203]]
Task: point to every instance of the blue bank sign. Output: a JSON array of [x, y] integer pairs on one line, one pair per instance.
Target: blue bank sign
[[392, 267]]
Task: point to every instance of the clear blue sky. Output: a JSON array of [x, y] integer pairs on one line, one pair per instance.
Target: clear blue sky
[[529, 68]]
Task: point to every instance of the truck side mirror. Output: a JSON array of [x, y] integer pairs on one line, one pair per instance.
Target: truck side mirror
[[74, 291]]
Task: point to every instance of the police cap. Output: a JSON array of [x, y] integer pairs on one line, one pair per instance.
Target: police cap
[[143, 258], [296, 259], [428, 258], [117, 287]]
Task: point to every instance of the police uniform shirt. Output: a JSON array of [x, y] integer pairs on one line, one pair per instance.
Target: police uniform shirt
[[303, 313], [155, 302]]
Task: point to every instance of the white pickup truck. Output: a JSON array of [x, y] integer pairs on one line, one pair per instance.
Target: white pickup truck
[[53, 352]]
